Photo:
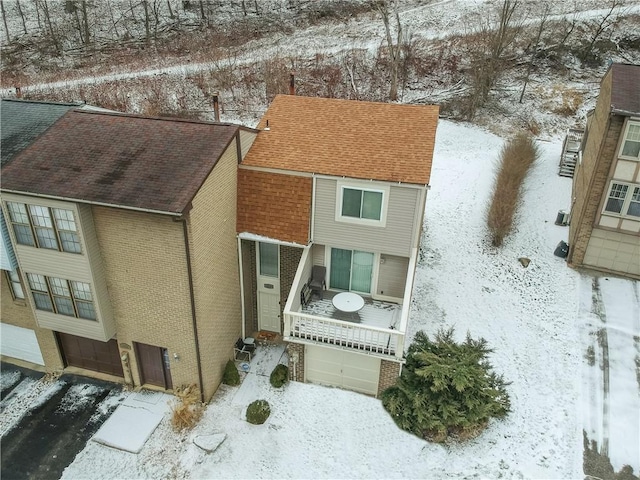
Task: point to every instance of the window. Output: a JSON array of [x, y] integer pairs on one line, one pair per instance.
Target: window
[[268, 259], [351, 270], [631, 143], [64, 297], [13, 278], [44, 227], [623, 199], [361, 203]]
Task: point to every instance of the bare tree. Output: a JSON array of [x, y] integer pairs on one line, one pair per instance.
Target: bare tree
[[543, 20], [20, 12], [395, 48], [4, 20], [599, 27]]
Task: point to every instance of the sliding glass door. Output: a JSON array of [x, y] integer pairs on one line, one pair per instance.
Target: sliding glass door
[[351, 270]]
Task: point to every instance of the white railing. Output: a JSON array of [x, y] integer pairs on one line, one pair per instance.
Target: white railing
[[311, 328]]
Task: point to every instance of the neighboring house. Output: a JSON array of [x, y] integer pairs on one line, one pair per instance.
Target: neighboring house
[[604, 231], [123, 229], [339, 184]]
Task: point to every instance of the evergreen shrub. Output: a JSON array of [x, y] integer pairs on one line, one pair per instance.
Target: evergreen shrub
[[231, 375], [447, 390], [279, 376], [258, 411]]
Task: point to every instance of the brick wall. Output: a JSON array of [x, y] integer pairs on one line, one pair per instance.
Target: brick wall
[[289, 261], [590, 178], [296, 369], [274, 205], [146, 271], [389, 372], [214, 262], [20, 314]]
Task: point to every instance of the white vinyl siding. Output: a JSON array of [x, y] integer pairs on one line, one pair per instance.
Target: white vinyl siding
[[392, 276], [395, 237]]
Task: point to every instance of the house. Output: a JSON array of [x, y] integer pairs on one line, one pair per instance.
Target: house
[[340, 185], [123, 230], [604, 232]]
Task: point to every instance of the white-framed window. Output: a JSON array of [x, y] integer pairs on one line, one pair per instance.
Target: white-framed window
[[362, 204], [64, 297], [13, 279], [630, 147], [44, 227], [351, 270], [623, 199]]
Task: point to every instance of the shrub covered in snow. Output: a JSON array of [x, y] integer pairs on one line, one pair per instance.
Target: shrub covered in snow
[[279, 376], [447, 390], [231, 375], [258, 411]]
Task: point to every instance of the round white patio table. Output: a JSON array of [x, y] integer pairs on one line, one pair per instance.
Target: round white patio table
[[348, 302]]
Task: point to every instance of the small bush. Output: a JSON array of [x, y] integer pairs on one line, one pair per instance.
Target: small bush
[[258, 412], [516, 158], [447, 390], [188, 408], [231, 375], [279, 376]]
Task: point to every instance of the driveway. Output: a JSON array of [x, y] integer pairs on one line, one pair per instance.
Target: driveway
[[46, 423]]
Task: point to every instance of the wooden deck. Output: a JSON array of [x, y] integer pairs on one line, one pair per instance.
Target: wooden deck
[[374, 313]]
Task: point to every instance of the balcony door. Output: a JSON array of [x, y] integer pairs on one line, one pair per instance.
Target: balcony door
[[268, 271], [351, 270]]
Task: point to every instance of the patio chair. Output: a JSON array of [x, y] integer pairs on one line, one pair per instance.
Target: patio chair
[[243, 347], [317, 282]]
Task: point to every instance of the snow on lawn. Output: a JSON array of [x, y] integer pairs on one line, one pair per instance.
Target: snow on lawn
[[528, 315]]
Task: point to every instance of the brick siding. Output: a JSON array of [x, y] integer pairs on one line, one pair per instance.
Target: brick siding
[[389, 373], [296, 370]]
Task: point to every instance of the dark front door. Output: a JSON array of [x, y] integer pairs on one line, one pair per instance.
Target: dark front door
[[153, 364], [91, 354]]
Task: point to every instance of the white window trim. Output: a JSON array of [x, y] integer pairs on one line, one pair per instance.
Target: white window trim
[[629, 122], [374, 271], [625, 204], [364, 186]]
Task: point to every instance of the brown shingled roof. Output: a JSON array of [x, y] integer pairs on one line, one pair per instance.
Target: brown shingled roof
[[625, 89], [124, 160], [379, 141]]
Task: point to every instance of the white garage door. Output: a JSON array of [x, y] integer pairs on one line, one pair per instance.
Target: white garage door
[[21, 343], [341, 368]]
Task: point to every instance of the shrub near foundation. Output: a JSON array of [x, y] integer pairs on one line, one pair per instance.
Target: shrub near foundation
[[231, 375], [516, 158], [258, 412], [279, 376]]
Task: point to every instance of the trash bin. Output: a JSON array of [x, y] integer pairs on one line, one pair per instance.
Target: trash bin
[[562, 250]]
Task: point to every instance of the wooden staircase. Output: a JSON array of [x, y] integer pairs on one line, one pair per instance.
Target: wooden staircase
[[570, 152]]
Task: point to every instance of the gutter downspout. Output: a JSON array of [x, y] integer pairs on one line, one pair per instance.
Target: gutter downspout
[[240, 264], [193, 304]]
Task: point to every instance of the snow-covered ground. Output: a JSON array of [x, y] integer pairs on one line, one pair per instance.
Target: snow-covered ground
[[539, 320]]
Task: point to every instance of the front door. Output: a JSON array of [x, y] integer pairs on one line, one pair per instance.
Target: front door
[[268, 271], [154, 366]]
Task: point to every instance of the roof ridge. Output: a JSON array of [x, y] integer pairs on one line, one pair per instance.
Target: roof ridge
[[44, 102], [147, 117]]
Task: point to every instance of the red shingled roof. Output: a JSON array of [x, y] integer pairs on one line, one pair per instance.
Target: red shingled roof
[[379, 141], [123, 160]]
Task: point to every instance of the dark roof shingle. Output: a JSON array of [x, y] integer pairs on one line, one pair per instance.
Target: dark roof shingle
[[625, 89], [22, 121], [122, 160]]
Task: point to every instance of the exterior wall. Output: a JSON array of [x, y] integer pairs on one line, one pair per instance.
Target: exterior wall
[[250, 286], [389, 373], [69, 266], [146, 273], [395, 238], [214, 263], [317, 251], [246, 139], [296, 361], [392, 276], [19, 313], [289, 261], [275, 205], [614, 252]]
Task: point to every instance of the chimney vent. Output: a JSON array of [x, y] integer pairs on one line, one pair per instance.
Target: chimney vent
[[292, 84], [216, 108]]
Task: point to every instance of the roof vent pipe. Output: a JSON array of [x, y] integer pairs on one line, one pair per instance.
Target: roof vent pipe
[[216, 108], [292, 84]]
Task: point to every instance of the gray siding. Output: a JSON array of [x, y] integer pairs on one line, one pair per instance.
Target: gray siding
[[246, 140], [317, 252], [392, 276], [394, 238]]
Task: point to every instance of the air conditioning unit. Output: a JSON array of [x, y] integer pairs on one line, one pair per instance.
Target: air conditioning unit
[[562, 218]]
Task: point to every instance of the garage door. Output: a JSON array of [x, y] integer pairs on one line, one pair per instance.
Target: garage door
[[343, 369], [20, 343], [91, 354]]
